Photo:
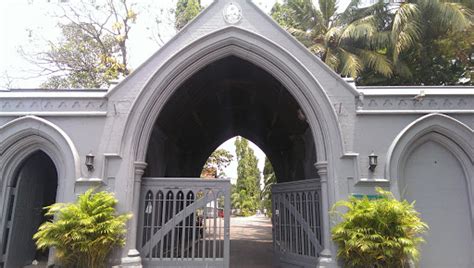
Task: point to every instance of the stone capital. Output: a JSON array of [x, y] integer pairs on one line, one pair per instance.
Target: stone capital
[[140, 168], [322, 168]]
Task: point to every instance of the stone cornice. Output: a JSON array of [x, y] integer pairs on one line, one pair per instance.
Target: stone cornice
[[403, 104], [53, 106]]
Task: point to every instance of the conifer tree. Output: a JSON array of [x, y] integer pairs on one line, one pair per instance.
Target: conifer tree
[[248, 177]]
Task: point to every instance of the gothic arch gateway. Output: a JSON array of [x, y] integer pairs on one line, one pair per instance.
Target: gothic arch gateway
[[266, 55], [233, 41]]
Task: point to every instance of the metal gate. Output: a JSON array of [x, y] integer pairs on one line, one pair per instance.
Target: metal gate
[[297, 223], [184, 222]]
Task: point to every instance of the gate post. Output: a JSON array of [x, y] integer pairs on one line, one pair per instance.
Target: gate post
[[227, 209], [133, 258], [325, 256]]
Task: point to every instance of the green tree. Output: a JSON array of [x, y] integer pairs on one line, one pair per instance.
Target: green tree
[[248, 177], [378, 233], [430, 44], [92, 51], [185, 11], [348, 42], [269, 179], [83, 233], [216, 163]]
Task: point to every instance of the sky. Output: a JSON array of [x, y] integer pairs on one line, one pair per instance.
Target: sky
[[29, 24]]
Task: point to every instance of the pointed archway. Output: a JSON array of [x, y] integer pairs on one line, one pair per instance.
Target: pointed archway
[[32, 188], [430, 162], [297, 81], [36, 147]]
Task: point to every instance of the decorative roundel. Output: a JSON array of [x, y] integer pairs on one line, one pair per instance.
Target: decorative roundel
[[232, 13]]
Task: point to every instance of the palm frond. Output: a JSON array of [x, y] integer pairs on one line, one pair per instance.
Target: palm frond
[[454, 16], [332, 35], [328, 10], [405, 28], [332, 59], [318, 49], [305, 13], [351, 64], [364, 28], [376, 61], [406, 13], [380, 40]]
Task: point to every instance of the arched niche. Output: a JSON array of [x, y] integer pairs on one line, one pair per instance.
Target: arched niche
[[23, 136], [444, 125], [431, 162], [32, 187]]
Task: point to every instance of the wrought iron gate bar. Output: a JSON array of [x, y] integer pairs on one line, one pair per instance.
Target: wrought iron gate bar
[[181, 224], [296, 222]]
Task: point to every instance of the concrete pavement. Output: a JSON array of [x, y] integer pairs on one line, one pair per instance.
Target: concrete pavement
[[251, 242]]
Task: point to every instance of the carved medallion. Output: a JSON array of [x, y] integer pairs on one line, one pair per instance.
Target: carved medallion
[[232, 13]]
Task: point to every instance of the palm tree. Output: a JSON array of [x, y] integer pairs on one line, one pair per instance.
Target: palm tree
[[435, 20], [348, 42], [415, 29]]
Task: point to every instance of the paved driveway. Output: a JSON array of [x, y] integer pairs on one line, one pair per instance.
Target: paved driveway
[[251, 242]]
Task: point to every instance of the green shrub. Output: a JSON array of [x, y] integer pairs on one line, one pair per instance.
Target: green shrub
[[83, 233], [382, 232]]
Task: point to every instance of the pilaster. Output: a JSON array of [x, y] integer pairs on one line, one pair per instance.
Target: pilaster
[[133, 258]]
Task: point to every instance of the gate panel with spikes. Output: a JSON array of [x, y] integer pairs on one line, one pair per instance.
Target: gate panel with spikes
[[184, 222], [296, 220]]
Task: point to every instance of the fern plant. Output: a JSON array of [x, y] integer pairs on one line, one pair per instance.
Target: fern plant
[[382, 232], [83, 233]]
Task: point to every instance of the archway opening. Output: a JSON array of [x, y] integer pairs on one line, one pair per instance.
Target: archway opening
[[251, 176], [231, 97], [33, 187], [227, 98]]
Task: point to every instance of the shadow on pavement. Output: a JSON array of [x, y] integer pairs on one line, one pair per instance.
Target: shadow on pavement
[[251, 254]]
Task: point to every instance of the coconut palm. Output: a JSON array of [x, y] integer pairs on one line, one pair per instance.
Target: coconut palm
[[348, 42], [415, 29]]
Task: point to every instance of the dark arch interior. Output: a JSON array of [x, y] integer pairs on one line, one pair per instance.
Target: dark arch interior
[[33, 187], [227, 98]]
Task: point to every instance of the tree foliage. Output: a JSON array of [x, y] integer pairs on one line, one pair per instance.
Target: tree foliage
[[216, 163], [186, 10], [375, 233], [269, 179], [420, 42], [348, 42], [83, 233], [248, 179], [431, 44], [92, 51]]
